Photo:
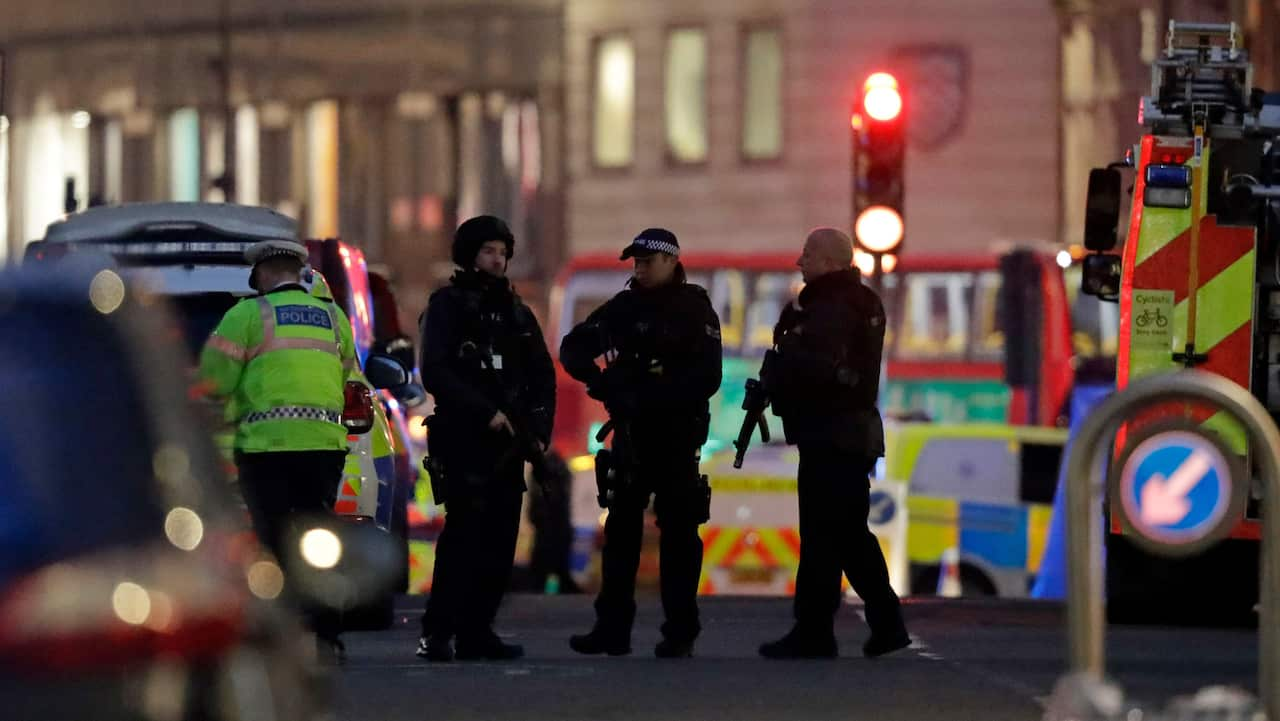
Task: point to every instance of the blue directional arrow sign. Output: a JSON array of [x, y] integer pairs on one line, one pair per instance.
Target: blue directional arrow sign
[[883, 508], [1177, 490]]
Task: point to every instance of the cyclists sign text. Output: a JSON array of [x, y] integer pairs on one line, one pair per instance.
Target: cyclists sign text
[[1153, 319]]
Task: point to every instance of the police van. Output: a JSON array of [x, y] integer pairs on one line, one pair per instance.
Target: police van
[[193, 254]]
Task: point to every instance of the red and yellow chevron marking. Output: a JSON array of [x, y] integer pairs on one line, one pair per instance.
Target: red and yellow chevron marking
[[422, 564], [748, 548], [348, 501], [1163, 259]]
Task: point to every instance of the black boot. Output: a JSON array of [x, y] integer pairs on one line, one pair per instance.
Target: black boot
[[885, 642], [601, 641], [671, 648], [799, 643], [487, 647]]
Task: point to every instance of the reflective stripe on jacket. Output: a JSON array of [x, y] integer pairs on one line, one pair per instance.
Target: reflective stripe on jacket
[[281, 360]]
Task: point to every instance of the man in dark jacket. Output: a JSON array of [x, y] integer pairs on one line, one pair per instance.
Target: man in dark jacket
[[661, 342], [823, 384], [485, 361]]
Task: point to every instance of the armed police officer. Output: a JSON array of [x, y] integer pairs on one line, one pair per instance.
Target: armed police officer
[[823, 381], [485, 362], [280, 360], [660, 338]]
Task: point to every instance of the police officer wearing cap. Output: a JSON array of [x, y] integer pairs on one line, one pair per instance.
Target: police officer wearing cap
[[823, 382], [486, 363], [661, 339], [280, 360]]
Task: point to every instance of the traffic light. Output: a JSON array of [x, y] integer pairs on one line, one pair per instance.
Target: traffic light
[[879, 149]]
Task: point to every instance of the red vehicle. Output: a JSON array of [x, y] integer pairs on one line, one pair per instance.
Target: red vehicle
[[1195, 288]]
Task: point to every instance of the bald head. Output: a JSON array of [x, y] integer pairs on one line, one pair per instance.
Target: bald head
[[826, 250]]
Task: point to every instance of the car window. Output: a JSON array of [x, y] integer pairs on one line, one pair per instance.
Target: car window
[[771, 293], [935, 316], [981, 470], [198, 315]]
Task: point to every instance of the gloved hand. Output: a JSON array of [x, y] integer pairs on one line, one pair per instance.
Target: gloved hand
[[622, 403], [615, 390], [608, 383]]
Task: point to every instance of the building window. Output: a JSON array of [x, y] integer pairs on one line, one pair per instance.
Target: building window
[[762, 94], [686, 95], [614, 111]]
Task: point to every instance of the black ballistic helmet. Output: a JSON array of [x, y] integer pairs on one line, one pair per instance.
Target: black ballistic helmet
[[477, 231]]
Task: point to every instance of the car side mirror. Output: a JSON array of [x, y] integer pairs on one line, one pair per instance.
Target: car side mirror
[[411, 395], [386, 372], [1102, 209], [1101, 276]]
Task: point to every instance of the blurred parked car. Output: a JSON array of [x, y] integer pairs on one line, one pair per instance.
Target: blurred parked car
[[128, 588]]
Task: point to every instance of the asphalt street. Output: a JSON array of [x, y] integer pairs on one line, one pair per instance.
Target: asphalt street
[[972, 659]]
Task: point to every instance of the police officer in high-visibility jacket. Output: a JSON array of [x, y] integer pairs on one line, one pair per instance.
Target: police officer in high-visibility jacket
[[281, 360]]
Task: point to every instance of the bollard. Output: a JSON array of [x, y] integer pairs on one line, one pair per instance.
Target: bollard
[[1086, 482], [949, 574]]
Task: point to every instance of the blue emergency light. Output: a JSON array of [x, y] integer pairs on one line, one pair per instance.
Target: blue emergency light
[[1168, 176], [1167, 186]]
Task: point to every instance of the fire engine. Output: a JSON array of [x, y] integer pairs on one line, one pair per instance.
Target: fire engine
[[1198, 283]]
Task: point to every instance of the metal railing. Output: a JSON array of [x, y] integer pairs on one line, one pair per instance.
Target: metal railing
[[1086, 482]]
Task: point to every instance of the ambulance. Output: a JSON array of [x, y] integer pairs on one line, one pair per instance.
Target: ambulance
[[979, 492]]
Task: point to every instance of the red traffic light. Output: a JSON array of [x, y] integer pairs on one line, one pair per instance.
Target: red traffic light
[[880, 97]]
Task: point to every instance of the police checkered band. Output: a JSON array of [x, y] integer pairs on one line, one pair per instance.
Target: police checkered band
[[660, 246], [299, 412], [263, 250]]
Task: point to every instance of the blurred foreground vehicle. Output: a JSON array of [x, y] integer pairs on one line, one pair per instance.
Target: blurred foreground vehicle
[[129, 586]]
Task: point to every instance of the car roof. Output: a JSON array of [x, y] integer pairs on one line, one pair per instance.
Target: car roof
[[120, 221]]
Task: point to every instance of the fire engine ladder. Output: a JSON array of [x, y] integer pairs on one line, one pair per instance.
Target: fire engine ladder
[[1202, 73]]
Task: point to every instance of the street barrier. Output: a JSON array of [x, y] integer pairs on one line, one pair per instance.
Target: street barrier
[[1179, 491]]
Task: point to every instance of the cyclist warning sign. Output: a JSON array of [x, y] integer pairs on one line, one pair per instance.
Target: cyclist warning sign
[[1152, 327]]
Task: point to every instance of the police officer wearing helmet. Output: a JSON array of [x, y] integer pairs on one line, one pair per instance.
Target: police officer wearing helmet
[[823, 381], [661, 339], [486, 363], [281, 361]]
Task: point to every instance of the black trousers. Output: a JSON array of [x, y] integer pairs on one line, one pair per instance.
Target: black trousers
[[834, 502], [474, 554], [276, 485], [671, 477]]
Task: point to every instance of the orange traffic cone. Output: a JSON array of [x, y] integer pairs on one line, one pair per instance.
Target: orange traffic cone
[[949, 574]]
